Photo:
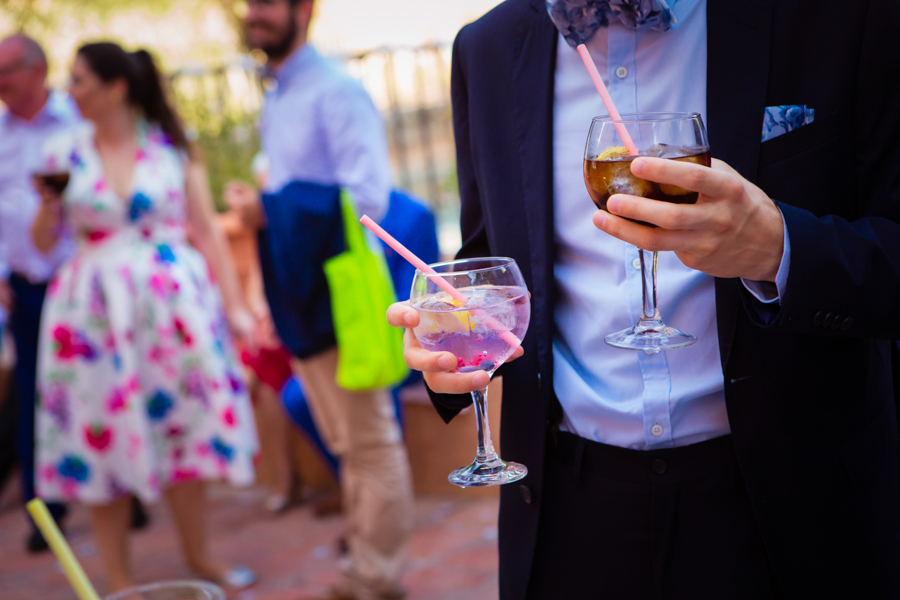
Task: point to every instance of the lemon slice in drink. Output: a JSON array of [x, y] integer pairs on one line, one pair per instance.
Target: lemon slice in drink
[[613, 152]]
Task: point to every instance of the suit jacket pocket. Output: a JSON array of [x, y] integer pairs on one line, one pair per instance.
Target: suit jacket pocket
[[800, 140]]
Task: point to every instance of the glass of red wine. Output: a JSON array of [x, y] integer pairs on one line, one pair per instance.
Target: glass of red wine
[[56, 180]]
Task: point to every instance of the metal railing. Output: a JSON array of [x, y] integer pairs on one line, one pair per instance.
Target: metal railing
[[409, 85]]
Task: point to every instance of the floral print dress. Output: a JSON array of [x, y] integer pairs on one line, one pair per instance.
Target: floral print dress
[[138, 381]]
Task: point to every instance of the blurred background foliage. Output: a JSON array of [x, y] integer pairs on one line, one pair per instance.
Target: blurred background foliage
[[398, 49], [37, 16], [227, 138]]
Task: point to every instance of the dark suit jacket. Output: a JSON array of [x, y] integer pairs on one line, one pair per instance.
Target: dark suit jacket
[[809, 397], [305, 228]]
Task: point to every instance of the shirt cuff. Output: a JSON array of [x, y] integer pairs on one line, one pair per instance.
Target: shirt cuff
[[766, 291]]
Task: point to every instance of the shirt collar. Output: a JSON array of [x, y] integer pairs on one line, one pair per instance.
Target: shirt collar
[[680, 8], [58, 107], [300, 59]]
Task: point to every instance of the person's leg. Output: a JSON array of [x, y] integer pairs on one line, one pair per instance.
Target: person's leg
[[673, 524], [361, 427], [25, 327], [594, 535], [296, 404], [25, 323], [7, 433], [273, 421], [187, 503], [110, 522]]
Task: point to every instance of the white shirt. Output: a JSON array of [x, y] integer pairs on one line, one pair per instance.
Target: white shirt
[[21, 144]]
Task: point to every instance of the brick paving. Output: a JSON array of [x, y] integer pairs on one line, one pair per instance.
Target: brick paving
[[453, 549]]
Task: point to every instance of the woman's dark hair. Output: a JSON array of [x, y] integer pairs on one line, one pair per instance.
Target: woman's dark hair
[[145, 87]]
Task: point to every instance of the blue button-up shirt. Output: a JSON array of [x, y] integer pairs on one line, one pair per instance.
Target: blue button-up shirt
[[21, 143], [620, 397], [319, 125]]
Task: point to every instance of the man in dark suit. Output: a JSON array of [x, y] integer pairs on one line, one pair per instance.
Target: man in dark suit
[[798, 497]]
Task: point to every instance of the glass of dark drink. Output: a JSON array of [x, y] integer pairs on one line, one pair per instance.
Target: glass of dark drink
[[607, 171], [57, 181]]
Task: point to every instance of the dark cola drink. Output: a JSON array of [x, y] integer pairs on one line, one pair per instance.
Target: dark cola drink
[[610, 173]]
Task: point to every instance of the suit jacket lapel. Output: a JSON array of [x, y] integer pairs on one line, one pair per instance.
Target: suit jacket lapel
[[737, 70], [534, 65]]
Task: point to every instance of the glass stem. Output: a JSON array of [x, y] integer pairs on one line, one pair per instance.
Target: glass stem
[[486, 451], [649, 313]]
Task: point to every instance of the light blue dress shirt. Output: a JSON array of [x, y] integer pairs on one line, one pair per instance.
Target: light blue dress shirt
[[319, 125], [21, 143], [620, 397]]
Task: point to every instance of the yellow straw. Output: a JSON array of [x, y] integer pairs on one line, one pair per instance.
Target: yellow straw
[[77, 579]]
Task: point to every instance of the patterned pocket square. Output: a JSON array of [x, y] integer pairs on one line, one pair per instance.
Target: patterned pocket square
[[778, 120]]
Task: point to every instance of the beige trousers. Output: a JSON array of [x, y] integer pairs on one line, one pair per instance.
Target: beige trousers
[[361, 428]]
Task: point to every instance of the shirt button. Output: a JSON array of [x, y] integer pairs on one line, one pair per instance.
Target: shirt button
[[656, 429], [636, 263], [621, 72]]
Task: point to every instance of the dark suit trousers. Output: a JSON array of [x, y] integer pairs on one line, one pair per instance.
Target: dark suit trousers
[[667, 524], [25, 324], [7, 434]]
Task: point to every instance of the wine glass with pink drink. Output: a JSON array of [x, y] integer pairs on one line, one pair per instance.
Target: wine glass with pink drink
[[481, 323]]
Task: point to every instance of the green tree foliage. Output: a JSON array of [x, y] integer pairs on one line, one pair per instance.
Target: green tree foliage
[[40, 17], [224, 133]]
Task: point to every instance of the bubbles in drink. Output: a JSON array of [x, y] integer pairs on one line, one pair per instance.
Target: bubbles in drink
[[621, 181], [472, 331], [437, 304]]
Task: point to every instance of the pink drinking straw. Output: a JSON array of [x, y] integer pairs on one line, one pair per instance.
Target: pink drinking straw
[[505, 334], [607, 99]]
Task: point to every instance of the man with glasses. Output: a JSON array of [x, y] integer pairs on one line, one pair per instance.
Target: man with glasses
[[320, 127]]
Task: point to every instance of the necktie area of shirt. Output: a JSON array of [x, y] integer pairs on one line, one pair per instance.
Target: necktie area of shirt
[[577, 20]]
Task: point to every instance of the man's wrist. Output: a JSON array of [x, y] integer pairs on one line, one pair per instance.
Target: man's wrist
[[771, 291], [776, 234]]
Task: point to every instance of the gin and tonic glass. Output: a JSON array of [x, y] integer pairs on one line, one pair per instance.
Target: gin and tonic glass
[[482, 324]]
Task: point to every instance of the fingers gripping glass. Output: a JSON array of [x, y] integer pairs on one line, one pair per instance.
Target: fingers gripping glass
[[607, 171], [481, 324]]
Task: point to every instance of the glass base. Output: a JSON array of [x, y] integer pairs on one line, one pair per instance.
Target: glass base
[[650, 339], [492, 472]]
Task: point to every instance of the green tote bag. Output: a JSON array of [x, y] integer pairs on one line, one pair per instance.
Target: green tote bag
[[370, 351]]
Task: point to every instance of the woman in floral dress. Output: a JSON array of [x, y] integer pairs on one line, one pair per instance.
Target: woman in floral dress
[[140, 390]]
